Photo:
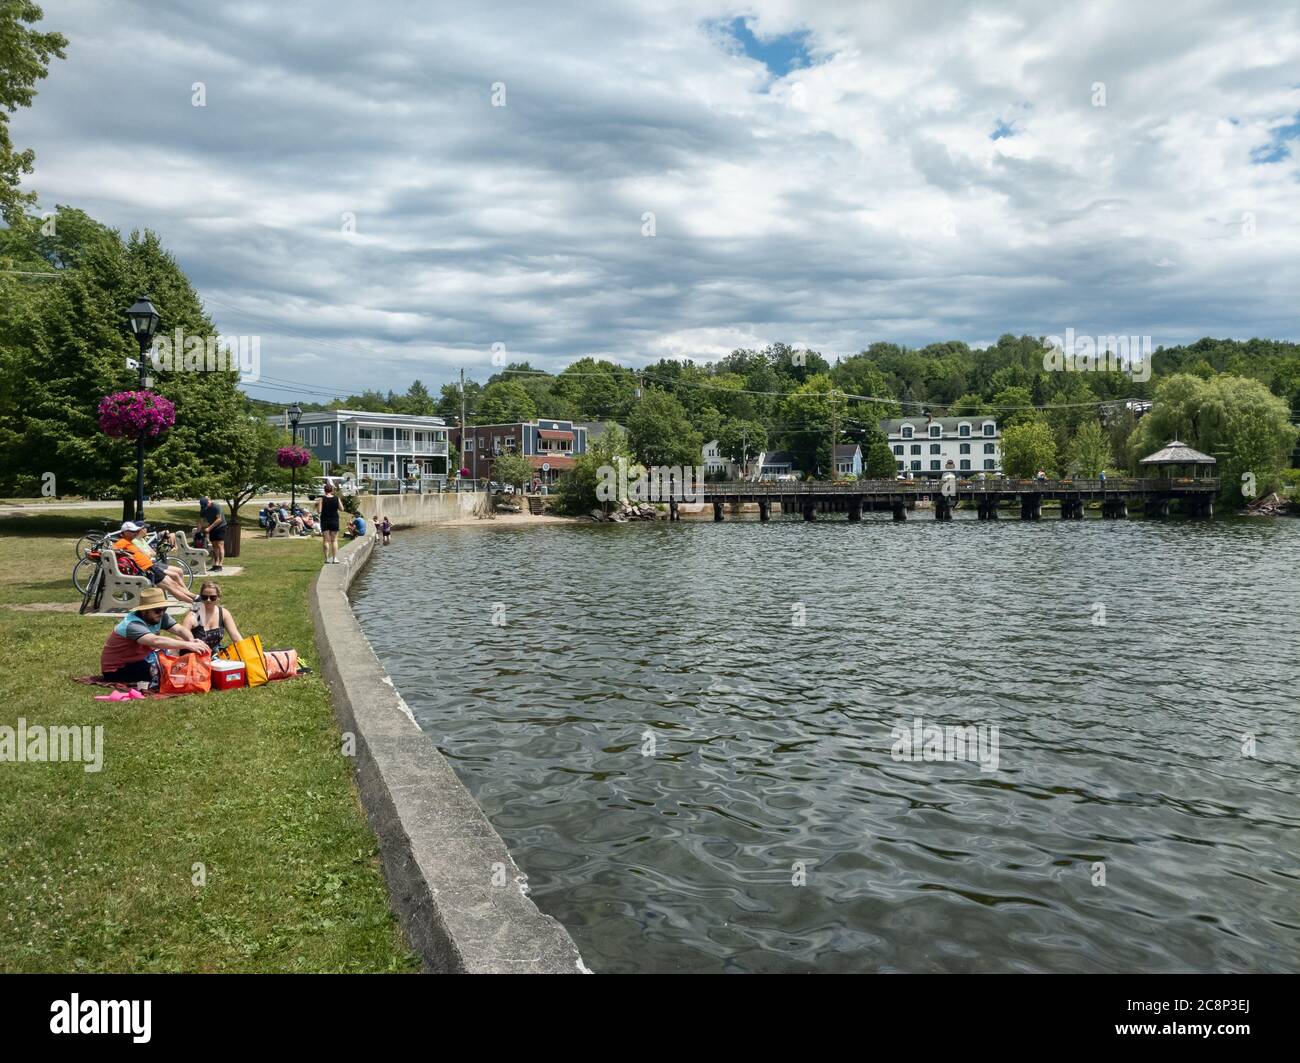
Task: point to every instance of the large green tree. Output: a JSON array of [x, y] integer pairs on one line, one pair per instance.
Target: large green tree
[[1088, 453], [505, 402], [25, 55], [1026, 448], [661, 433]]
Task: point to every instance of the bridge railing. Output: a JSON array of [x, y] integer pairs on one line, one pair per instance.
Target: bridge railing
[[965, 487]]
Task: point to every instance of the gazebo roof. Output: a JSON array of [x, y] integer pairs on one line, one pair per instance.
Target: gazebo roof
[[1176, 453]]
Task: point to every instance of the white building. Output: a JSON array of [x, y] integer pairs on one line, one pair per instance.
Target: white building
[[927, 447], [715, 463]]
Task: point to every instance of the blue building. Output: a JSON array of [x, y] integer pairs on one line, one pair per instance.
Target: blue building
[[379, 446]]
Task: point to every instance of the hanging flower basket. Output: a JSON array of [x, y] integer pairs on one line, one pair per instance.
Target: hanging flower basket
[[464, 474], [293, 457], [135, 415]]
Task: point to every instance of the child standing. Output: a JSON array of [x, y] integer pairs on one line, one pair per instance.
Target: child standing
[[386, 527]]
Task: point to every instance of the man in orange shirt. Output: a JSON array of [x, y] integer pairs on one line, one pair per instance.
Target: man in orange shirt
[[158, 575]]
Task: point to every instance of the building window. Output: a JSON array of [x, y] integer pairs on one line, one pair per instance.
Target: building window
[[936, 448], [988, 463], [469, 445], [916, 448], [901, 466], [934, 466], [899, 450], [328, 435], [965, 464], [936, 431], [963, 430], [964, 448], [988, 448], [989, 428], [907, 431], [311, 437], [325, 466]]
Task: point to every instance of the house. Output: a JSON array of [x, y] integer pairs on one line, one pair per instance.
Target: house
[[928, 447], [848, 459], [550, 446], [715, 463], [777, 465], [379, 446]]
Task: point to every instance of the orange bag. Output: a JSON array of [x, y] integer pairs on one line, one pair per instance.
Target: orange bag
[[281, 664], [190, 673]]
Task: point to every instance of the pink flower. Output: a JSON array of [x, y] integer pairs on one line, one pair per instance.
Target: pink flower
[[292, 457], [135, 415]]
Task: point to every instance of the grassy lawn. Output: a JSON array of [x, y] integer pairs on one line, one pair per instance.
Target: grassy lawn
[[97, 870]]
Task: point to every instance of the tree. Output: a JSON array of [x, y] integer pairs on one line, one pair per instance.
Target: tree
[[505, 402], [808, 414], [1088, 453], [25, 58], [880, 462], [417, 401], [1235, 419], [1013, 406], [576, 491], [741, 442], [1026, 448], [514, 469], [661, 433]]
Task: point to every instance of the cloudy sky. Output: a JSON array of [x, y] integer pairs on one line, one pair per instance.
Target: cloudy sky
[[385, 190]]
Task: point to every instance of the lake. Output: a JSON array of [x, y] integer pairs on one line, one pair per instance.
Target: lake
[[694, 737]]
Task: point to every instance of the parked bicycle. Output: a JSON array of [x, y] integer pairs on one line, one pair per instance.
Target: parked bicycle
[[87, 568]]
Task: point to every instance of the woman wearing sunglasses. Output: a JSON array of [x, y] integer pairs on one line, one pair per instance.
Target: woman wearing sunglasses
[[208, 620]]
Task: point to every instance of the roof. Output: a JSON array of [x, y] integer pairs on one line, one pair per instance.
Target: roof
[[846, 451], [949, 424], [1176, 453], [778, 457], [364, 415]]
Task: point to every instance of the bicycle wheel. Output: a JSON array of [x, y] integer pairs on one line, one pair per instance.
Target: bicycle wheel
[[93, 593], [184, 571], [82, 571], [88, 542]]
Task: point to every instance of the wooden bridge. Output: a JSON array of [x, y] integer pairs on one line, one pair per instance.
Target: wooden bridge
[[1193, 497]]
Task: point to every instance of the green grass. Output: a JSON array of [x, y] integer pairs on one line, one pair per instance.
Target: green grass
[[96, 870]]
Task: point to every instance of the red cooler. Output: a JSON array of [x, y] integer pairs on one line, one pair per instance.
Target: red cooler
[[227, 675]]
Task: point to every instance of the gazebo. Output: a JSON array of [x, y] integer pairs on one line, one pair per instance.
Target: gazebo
[[1176, 459]]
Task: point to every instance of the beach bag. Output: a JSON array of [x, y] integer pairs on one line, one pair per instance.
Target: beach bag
[[190, 673], [281, 664], [249, 650]]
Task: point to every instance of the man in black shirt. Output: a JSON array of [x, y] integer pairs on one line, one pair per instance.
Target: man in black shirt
[[212, 522]]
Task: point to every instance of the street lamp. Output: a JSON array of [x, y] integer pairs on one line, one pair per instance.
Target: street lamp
[[144, 320], [295, 415]]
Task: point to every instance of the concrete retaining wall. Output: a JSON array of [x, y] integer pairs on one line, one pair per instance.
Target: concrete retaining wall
[[451, 881], [406, 511]]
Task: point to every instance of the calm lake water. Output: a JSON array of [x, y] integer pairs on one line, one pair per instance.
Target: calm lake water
[[764, 668]]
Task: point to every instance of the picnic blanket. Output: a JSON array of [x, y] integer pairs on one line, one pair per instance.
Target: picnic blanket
[[100, 681]]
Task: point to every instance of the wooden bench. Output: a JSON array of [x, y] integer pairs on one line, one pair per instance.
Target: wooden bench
[[278, 529]]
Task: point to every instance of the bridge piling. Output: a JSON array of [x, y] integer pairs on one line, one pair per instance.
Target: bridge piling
[[855, 509], [764, 510], [717, 511]]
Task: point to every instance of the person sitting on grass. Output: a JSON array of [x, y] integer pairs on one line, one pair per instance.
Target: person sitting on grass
[[131, 653], [208, 620], [357, 527], [155, 571]]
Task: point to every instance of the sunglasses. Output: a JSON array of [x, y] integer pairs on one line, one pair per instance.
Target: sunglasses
[[210, 597]]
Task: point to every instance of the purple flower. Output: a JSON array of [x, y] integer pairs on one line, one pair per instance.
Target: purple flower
[[135, 415], [292, 457]]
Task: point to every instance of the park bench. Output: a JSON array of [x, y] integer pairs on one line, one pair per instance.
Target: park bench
[[120, 592], [196, 558], [278, 529]]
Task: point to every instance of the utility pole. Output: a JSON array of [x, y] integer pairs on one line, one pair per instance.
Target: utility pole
[[462, 428], [835, 431]]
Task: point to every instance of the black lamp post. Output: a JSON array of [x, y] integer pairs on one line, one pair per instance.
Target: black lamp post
[[295, 415], [144, 323]]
